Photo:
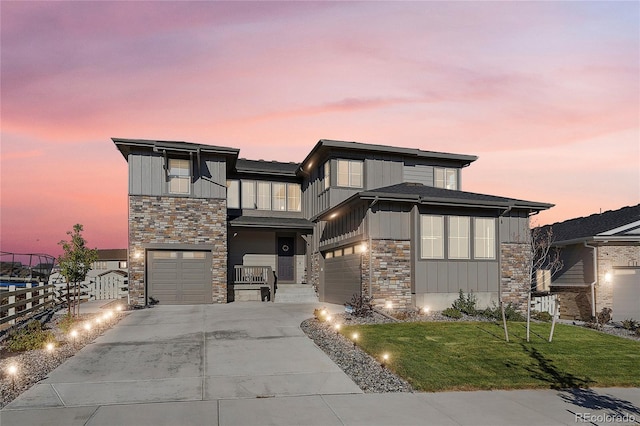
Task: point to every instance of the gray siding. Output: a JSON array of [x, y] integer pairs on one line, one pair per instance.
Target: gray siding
[[449, 276], [147, 176], [577, 268], [382, 171], [341, 279], [345, 228], [514, 228], [390, 221], [418, 173]]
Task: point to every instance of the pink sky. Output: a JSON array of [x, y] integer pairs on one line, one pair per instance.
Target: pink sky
[[547, 94]]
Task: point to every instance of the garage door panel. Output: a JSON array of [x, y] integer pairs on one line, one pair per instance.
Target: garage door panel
[[180, 277], [342, 278], [626, 294]]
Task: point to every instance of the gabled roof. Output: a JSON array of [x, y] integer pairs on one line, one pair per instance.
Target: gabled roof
[[324, 145], [428, 195], [125, 145], [112, 254], [262, 167], [621, 224]]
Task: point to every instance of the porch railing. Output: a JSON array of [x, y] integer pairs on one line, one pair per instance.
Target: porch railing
[[545, 304], [248, 277]]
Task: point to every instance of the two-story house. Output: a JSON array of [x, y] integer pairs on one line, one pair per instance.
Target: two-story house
[[351, 218]]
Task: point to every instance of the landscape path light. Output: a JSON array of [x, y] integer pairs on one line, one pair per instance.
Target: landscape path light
[[12, 371], [74, 336], [329, 318], [337, 327], [354, 336], [50, 347], [385, 358], [388, 304], [87, 326], [425, 310]]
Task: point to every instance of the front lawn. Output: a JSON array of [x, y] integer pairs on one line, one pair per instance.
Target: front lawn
[[436, 356]]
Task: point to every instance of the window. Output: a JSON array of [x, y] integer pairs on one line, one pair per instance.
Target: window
[[122, 264], [264, 195], [99, 265], [328, 255], [484, 239], [458, 237], [327, 175], [445, 178], [179, 176], [348, 251], [279, 196], [233, 194], [350, 173], [432, 236], [294, 197], [248, 194], [194, 255]]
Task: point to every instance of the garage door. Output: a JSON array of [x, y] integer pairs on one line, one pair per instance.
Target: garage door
[[180, 277], [626, 294], [341, 278]]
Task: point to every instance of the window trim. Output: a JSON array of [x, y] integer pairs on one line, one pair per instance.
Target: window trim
[[350, 173], [432, 236], [179, 177]]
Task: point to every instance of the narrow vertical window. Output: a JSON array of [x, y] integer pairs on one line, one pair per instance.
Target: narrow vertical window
[[179, 176], [248, 194], [233, 194], [279, 196], [484, 239], [327, 174], [458, 237], [263, 195], [294, 197], [432, 237]]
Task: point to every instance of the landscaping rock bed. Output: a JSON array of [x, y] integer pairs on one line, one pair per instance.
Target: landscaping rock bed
[[34, 366]]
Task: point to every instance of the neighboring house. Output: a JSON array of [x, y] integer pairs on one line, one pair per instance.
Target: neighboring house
[[107, 278], [601, 262], [352, 218]]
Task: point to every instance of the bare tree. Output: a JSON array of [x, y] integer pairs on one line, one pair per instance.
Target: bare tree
[[544, 257]]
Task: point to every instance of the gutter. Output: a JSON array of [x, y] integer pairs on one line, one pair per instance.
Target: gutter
[[595, 277]]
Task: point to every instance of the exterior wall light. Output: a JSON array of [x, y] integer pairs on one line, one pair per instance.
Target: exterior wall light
[[388, 304], [137, 254], [363, 248], [608, 277], [425, 310]]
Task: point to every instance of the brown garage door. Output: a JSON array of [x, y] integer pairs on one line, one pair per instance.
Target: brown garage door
[[180, 277], [342, 278], [626, 294]]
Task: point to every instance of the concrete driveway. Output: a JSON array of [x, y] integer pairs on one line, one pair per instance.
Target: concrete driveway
[[250, 364]]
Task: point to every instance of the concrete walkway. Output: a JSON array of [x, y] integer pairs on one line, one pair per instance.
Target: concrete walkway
[[250, 364]]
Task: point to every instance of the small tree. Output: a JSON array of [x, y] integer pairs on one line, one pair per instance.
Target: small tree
[[543, 257], [75, 262]]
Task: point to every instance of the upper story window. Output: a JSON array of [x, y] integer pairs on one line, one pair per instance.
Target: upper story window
[[350, 173], [326, 179], [265, 195], [445, 178], [179, 176], [122, 264], [100, 265], [233, 194]]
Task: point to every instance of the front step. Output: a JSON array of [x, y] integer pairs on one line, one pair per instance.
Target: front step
[[296, 293]]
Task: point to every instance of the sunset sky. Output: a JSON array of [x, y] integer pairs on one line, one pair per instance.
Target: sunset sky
[[547, 94]]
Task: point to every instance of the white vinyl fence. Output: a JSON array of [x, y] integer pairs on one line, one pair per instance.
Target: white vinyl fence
[[545, 304]]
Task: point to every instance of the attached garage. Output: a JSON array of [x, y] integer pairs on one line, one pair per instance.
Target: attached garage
[[626, 294], [342, 276], [179, 277]]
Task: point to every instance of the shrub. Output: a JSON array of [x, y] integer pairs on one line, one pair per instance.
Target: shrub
[[637, 333], [630, 324], [465, 304], [30, 337], [67, 323], [604, 316], [319, 315], [452, 313], [510, 313], [362, 306], [542, 316]]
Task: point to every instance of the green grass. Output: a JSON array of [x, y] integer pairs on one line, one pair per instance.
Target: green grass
[[436, 356]]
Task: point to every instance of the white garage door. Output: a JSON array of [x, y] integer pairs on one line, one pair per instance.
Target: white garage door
[[180, 277], [626, 294]]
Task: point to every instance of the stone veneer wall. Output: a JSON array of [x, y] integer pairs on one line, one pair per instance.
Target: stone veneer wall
[[608, 257], [391, 268], [314, 278], [176, 220], [514, 275], [575, 302]]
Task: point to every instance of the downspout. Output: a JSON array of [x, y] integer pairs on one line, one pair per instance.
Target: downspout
[[375, 200], [595, 277]]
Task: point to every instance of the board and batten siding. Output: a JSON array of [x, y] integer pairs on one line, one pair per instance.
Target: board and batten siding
[[381, 172], [390, 221], [147, 176], [514, 228]]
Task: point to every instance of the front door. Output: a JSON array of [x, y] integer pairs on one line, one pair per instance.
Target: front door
[[285, 258]]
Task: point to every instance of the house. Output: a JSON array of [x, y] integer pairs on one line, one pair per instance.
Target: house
[[351, 218], [107, 278], [601, 264]]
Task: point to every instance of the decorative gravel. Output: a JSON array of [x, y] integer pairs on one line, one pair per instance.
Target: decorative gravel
[[34, 366]]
